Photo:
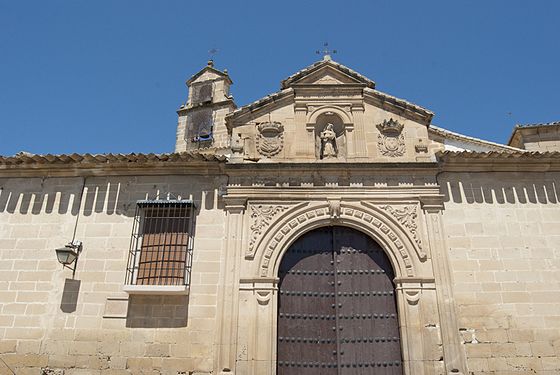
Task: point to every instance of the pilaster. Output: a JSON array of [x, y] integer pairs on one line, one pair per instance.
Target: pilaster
[[359, 132], [454, 356], [301, 131], [227, 320]]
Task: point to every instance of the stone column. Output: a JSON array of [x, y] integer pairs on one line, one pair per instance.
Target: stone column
[[227, 318], [453, 354]]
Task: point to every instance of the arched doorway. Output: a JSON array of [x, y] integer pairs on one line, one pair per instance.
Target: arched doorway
[[336, 306]]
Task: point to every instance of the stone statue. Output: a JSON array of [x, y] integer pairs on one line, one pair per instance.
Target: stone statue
[[328, 142]]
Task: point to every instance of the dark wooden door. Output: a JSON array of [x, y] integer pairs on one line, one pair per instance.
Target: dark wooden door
[[336, 307]]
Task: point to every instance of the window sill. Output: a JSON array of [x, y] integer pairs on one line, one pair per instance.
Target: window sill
[[156, 289]]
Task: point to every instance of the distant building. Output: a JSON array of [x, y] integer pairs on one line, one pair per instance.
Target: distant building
[[327, 228]]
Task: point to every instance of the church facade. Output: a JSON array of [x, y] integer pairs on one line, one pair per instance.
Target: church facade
[[328, 228]]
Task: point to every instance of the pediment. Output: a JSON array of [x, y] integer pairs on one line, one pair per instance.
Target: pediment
[[327, 72], [327, 76], [208, 73]]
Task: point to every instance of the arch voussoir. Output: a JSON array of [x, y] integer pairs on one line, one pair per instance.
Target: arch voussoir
[[388, 233]]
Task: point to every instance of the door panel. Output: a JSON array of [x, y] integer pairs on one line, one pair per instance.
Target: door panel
[[337, 310], [306, 339], [368, 324]]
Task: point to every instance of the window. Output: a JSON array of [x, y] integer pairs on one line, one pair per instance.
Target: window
[[161, 247], [200, 124], [201, 93]]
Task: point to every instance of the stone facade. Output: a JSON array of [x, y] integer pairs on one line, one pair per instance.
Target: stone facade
[[471, 229]]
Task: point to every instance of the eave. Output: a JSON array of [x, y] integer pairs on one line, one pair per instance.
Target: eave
[[110, 165]]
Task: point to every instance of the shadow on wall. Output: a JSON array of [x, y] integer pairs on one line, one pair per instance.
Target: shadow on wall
[[108, 195], [466, 188], [157, 311], [70, 295]]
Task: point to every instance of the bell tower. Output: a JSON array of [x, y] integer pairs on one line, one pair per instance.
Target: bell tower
[[201, 123]]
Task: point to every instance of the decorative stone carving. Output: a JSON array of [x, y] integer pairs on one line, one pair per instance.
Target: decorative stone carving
[[407, 216], [328, 142], [270, 138], [412, 296], [263, 297], [391, 140], [261, 215], [237, 144], [421, 147], [334, 208], [346, 213]]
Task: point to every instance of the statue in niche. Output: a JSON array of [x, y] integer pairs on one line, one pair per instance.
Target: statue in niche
[[328, 142]]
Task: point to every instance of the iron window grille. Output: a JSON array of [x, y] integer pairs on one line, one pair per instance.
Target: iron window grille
[[161, 243]]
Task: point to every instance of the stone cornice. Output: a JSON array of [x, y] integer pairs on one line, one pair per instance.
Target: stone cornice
[[367, 167], [381, 195], [498, 161], [398, 106], [224, 103]]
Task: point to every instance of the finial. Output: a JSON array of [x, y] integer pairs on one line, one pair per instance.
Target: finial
[[326, 52], [211, 63]]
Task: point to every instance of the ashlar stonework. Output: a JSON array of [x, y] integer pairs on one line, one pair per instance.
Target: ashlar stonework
[[470, 228]]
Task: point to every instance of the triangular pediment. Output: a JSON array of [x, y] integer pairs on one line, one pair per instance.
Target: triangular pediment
[[327, 72], [208, 73]]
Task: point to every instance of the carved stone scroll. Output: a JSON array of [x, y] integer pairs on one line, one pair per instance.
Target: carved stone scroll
[[407, 216], [261, 216]]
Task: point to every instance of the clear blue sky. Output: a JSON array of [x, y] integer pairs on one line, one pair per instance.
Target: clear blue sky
[[108, 76]]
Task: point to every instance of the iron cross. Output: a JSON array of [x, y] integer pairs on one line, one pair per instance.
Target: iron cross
[[213, 53], [326, 52]]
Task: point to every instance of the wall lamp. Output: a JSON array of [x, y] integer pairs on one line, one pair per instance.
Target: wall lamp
[[69, 254]]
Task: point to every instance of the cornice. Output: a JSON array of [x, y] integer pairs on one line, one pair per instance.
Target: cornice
[[368, 167], [493, 161]]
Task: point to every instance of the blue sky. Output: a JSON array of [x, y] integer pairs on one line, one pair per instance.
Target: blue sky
[[108, 76]]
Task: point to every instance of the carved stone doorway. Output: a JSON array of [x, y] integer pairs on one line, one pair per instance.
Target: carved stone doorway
[[337, 310]]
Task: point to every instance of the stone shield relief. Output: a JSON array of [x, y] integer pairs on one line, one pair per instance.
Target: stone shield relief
[[270, 138], [391, 140]]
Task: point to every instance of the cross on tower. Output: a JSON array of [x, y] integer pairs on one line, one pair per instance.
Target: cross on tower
[[212, 53], [326, 52]]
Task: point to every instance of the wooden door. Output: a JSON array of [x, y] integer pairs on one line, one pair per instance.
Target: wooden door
[[337, 311]]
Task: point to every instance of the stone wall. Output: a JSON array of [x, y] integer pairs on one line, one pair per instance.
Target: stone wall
[[88, 325], [503, 236]]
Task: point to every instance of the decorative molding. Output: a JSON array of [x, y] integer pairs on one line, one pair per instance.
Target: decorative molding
[[407, 216], [412, 296], [235, 205], [391, 139], [270, 138], [263, 297], [261, 216], [345, 213], [432, 203]]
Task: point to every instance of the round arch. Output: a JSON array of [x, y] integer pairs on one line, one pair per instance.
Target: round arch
[[312, 117], [382, 228]]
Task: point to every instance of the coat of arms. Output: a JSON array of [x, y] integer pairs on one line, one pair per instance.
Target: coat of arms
[[391, 139], [270, 138]]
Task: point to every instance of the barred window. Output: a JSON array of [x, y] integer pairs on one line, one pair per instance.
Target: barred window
[[161, 244]]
